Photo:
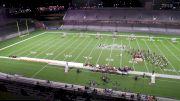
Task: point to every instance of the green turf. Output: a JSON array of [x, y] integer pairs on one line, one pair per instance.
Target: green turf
[[163, 87], [80, 47]]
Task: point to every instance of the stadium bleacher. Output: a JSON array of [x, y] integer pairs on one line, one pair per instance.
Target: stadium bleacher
[[117, 14], [131, 19]]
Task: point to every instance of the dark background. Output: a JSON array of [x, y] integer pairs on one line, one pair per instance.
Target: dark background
[[66, 3], [82, 3]]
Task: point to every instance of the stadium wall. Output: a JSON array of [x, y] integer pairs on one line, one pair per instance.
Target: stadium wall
[[122, 29], [5, 37]]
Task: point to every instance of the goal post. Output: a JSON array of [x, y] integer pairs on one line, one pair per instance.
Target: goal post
[[25, 30], [27, 27], [17, 24]]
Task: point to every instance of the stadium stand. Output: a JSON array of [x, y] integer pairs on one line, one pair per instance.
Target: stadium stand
[[56, 91], [115, 19]]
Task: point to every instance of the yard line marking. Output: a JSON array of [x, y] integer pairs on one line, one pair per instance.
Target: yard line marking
[[131, 48], [18, 50], [21, 41], [147, 36], [100, 53], [173, 45], [39, 71], [63, 49], [135, 36], [76, 47], [53, 58], [51, 46], [166, 58], [45, 45], [111, 51], [121, 55], [82, 50], [92, 50], [144, 60], [170, 51], [151, 51], [18, 54]]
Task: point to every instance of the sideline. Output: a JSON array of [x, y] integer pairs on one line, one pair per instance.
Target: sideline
[[80, 65], [141, 36]]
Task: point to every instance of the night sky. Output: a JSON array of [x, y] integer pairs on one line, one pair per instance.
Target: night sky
[[37, 3]]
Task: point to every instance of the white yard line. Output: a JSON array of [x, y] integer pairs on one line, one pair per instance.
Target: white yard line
[[92, 50], [76, 47], [174, 46], [135, 36], [53, 58], [82, 50], [170, 51], [27, 48], [21, 49], [111, 51], [151, 51], [69, 45], [21, 41], [100, 53], [121, 55], [140, 49], [166, 58], [49, 46], [147, 36], [131, 48], [127, 35], [39, 71]]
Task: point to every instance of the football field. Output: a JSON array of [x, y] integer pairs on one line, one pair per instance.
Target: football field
[[103, 48]]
